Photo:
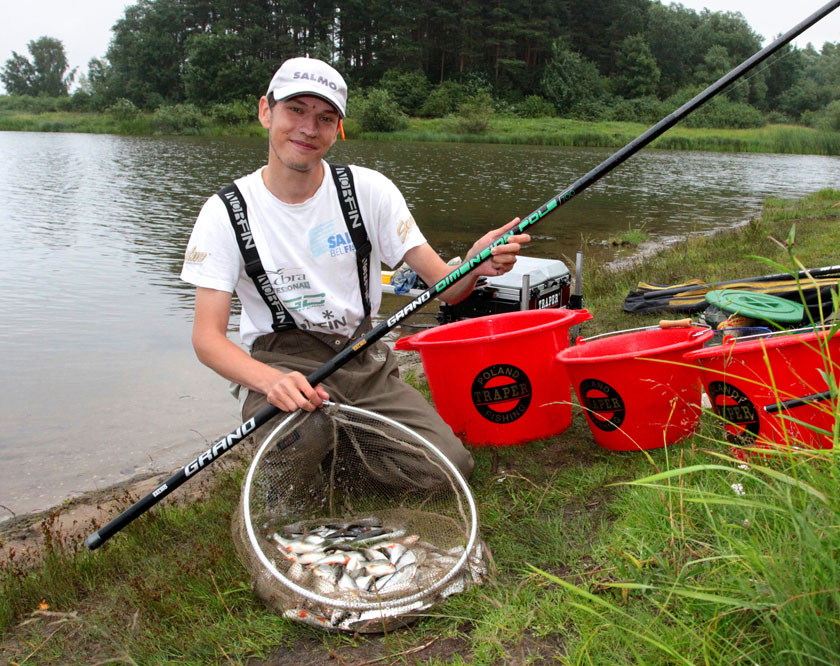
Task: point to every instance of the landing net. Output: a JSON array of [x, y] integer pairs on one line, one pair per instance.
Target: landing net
[[351, 521]]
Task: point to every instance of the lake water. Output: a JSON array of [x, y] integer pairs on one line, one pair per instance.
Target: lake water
[[100, 381]]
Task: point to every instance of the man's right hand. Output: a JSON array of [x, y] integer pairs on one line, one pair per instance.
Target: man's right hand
[[291, 391], [286, 391]]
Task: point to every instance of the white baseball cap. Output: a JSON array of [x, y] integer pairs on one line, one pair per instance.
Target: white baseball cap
[[309, 76]]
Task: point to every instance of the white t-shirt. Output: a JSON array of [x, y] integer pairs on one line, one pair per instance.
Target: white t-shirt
[[305, 250]]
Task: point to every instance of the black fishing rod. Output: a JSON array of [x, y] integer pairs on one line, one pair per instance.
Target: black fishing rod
[[264, 415], [797, 402]]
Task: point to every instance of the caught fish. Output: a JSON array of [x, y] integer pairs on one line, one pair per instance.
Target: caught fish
[[347, 583], [379, 568], [296, 572], [333, 558], [310, 558], [364, 582], [407, 557], [394, 550], [372, 554], [361, 556]]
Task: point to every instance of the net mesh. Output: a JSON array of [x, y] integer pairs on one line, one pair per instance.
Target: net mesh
[[350, 521]]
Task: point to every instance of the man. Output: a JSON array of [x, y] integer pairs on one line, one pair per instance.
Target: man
[[301, 233]]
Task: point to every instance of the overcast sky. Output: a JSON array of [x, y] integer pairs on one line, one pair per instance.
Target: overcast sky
[[84, 26]]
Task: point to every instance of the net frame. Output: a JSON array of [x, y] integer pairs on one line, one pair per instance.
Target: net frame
[[402, 604]]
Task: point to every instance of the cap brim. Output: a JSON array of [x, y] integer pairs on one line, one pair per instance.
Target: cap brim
[[304, 89]]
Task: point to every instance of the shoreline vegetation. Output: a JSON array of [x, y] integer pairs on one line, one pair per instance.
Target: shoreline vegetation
[[546, 131], [682, 555]]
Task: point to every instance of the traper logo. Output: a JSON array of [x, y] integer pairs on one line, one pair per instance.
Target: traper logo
[[501, 393], [738, 412], [604, 406]]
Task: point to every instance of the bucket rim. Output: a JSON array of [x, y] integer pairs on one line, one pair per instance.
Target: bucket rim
[[757, 343], [701, 335], [562, 317]]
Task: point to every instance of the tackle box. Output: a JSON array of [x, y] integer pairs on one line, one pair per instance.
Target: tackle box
[[533, 284]]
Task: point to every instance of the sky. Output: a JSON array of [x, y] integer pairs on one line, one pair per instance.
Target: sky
[[84, 26]]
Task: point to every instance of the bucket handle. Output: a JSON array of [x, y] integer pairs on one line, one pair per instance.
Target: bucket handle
[[405, 344], [664, 323]]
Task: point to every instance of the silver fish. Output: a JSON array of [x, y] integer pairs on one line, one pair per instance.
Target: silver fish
[[380, 568], [296, 572], [407, 557], [347, 583], [394, 550], [364, 582], [333, 558], [311, 557], [373, 554]]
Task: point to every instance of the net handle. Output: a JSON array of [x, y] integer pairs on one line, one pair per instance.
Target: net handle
[[401, 602]]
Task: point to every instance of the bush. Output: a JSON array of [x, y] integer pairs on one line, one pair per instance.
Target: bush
[[722, 113], [408, 89], [646, 109], [183, 118], [443, 100], [474, 113], [380, 113], [234, 113], [123, 109], [534, 106], [827, 120], [29, 104], [778, 118]]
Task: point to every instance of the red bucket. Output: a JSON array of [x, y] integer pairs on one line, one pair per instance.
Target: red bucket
[[757, 386], [634, 387], [491, 377]]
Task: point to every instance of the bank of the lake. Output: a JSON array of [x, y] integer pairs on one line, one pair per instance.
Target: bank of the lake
[[784, 139], [680, 569]]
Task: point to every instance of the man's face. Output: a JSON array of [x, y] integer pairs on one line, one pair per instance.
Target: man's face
[[300, 130]]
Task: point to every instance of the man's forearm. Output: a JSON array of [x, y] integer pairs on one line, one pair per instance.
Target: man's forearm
[[233, 363]]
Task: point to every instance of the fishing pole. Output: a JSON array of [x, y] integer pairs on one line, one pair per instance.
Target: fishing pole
[[797, 402], [225, 444]]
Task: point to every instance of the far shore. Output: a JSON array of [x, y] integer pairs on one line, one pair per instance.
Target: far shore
[[772, 138]]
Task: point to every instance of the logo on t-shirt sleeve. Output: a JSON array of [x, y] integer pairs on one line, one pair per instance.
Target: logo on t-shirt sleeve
[[404, 227], [193, 256]]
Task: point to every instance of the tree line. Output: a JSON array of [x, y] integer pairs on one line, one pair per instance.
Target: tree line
[[617, 59]]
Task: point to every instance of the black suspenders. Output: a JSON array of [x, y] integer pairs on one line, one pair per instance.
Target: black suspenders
[[238, 213], [343, 178]]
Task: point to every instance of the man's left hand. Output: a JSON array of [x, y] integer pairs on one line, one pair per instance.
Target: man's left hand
[[503, 256]]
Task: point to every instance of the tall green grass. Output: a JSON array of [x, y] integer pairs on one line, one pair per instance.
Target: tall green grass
[[726, 556]]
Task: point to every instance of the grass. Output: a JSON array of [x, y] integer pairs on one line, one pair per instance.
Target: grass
[[579, 133], [629, 236], [601, 557], [792, 139]]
